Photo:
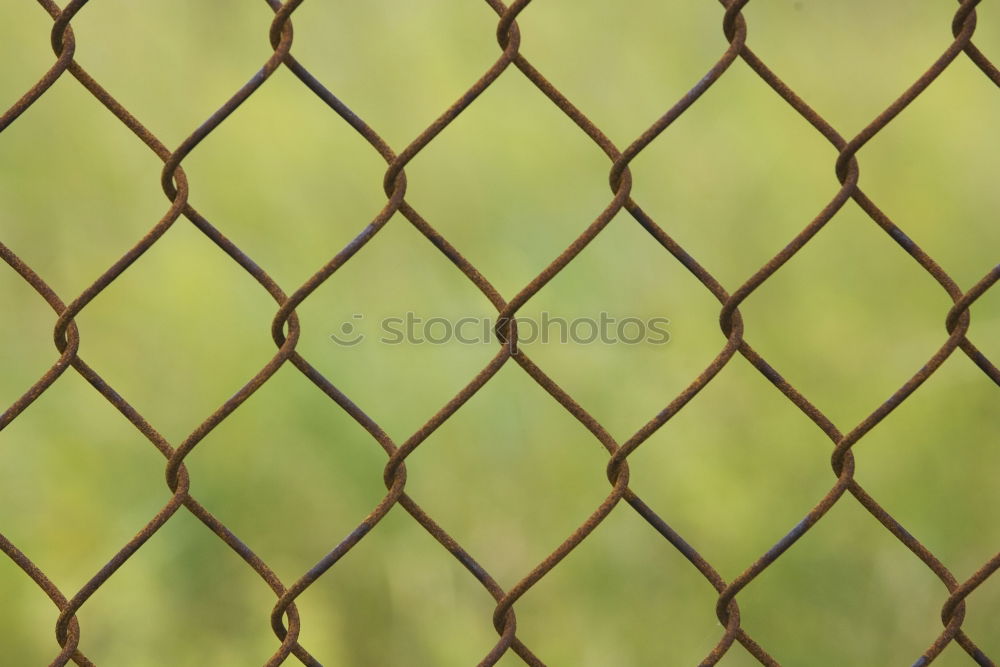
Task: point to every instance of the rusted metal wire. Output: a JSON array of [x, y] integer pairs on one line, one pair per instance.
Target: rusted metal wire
[[285, 332]]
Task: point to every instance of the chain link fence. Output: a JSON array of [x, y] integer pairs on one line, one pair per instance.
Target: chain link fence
[[285, 330]]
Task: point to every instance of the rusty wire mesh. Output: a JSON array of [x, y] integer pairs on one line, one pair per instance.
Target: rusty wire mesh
[[285, 331]]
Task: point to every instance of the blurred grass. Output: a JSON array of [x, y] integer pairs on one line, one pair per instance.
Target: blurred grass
[[510, 183]]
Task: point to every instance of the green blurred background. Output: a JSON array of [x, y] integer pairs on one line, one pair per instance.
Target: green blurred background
[[510, 184]]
